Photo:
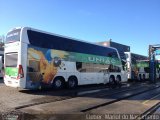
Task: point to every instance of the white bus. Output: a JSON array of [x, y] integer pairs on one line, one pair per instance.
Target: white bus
[[143, 69], [132, 69], [34, 59]]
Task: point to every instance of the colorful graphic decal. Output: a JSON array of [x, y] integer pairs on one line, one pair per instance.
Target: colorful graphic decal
[[44, 63]]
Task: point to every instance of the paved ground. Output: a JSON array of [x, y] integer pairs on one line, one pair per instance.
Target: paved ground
[[135, 105], [76, 105], [63, 103]]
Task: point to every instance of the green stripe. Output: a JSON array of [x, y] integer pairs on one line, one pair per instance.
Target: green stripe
[[88, 58], [143, 64], [72, 56]]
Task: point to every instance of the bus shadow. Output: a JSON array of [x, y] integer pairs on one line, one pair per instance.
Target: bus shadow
[[65, 91], [97, 91]]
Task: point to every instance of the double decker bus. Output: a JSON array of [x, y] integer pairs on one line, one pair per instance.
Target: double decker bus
[[134, 72], [34, 59], [143, 69]]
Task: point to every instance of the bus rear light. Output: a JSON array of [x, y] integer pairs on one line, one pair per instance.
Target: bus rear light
[[20, 72]]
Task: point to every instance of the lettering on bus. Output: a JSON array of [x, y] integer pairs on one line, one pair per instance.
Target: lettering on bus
[[99, 60], [13, 34]]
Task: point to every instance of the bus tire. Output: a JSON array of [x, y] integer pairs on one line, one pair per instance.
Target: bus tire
[[112, 82], [58, 83], [144, 77], [118, 81], [72, 82], [140, 77]]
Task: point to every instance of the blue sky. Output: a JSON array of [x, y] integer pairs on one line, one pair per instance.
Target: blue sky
[[131, 22]]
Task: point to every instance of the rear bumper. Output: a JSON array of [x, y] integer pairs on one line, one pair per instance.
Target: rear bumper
[[12, 82]]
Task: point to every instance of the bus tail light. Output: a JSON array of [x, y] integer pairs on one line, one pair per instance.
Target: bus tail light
[[20, 72]]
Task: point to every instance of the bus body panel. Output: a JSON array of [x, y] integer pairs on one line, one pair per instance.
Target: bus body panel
[[21, 49], [10, 79], [23, 62], [141, 63], [41, 65]]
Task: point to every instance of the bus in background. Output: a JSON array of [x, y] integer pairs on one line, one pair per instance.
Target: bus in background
[[131, 64], [143, 69], [35, 59]]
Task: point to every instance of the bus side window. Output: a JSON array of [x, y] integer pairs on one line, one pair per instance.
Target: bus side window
[[78, 66], [30, 69]]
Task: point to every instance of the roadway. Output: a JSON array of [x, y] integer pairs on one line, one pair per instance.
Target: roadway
[[87, 102]]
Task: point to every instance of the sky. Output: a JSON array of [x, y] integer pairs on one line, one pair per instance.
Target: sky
[[135, 23]]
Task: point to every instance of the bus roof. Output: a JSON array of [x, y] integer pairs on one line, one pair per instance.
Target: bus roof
[[34, 34], [30, 28]]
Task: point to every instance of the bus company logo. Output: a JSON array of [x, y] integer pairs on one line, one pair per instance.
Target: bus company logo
[[113, 61], [13, 34], [99, 60]]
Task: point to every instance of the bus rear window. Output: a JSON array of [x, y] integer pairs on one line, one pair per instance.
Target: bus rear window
[[11, 60], [13, 36]]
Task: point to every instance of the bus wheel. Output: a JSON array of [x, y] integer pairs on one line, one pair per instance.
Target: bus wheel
[[112, 82], [144, 77], [140, 77], [58, 83], [72, 82], [118, 81]]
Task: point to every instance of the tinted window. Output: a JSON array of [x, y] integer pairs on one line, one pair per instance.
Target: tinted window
[[61, 43], [11, 60], [13, 36], [78, 65], [146, 69], [135, 57], [92, 67]]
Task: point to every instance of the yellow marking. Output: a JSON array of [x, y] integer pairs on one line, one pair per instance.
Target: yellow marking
[[150, 99]]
